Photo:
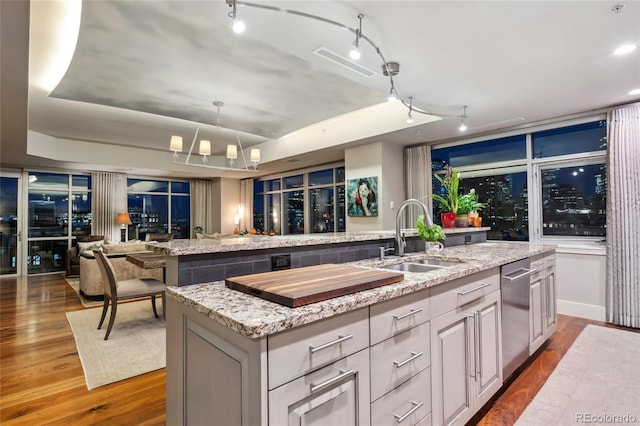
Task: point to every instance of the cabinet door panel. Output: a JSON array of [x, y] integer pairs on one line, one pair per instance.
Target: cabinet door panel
[[450, 359], [536, 328], [336, 394], [489, 377], [550, 311]]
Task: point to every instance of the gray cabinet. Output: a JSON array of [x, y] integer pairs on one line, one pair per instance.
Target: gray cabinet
[[466, 350], [334, 395], [542, 309]]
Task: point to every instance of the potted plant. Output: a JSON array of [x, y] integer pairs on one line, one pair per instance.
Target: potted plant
[[468, 205], [450, 203], [432, 235], [474, 206]]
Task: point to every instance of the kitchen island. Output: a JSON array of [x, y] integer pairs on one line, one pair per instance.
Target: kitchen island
[[244, 360]]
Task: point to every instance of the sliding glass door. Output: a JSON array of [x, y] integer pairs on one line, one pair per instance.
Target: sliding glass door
[[10, 235]]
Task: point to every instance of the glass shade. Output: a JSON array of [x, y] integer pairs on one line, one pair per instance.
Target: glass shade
[[255, 154]]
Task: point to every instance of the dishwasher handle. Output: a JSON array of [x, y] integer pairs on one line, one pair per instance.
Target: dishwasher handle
[[526, 273]]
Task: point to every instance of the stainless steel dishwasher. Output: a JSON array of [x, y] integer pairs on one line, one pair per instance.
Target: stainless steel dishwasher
[[514, 286]]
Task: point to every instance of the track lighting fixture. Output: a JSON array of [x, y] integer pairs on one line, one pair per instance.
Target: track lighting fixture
[[409, 116], [463, 127], [238, 26], [355, 52], [392, 95]]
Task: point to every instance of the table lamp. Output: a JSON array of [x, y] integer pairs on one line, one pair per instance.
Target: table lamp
[[123, 220]]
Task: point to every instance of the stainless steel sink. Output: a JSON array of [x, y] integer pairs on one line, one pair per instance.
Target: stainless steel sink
[[413, 267], [438, 262]]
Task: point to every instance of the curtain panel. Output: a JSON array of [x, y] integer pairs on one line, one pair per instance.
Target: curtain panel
[[109, 197], [417, 166], [202, 205], [246, 200], [623, 216]]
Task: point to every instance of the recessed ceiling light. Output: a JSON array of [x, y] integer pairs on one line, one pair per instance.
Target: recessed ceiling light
[[624, 49], [634, 92]]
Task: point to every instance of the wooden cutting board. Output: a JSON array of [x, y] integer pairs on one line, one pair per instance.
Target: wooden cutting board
[[310, 284]]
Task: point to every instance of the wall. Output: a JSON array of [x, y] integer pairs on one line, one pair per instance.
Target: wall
[[383, 160], [581, 278]]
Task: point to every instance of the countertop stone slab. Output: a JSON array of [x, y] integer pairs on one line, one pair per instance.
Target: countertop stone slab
[[258, 242], [253, 317]]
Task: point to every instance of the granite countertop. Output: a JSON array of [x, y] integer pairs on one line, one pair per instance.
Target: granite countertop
[[257, 242], [253, 317]]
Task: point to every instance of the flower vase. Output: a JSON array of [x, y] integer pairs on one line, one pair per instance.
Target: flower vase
[[462, 220], [448, 219]]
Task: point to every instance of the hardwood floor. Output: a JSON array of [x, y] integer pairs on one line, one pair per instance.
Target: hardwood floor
[[42, 381]]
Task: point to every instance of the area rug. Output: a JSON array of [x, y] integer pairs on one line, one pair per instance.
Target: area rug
[[136, 345], [74, 283], [597, 381]]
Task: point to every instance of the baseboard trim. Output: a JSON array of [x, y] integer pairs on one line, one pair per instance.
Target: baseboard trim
[[581, 310]]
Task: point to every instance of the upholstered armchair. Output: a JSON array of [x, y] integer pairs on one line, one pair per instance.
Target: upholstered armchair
[[72, 259]]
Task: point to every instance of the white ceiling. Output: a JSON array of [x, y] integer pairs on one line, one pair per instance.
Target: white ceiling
[[144, 70]]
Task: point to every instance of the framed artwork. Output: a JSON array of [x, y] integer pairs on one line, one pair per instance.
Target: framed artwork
[[362, 196]]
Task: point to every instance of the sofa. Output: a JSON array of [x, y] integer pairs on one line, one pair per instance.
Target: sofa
[[90, 279], [72, 259]]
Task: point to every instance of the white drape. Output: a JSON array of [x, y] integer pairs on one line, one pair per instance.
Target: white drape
[[417, 184], [623, 216], [109, 197], [246, 200], [202, 205]]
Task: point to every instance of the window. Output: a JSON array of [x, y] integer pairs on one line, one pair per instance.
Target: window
[[59, 208], [158, 206], [588, 137], [308, 202], [568, 193], [574, 200]]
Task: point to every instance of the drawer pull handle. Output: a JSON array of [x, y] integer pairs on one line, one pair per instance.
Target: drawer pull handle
[[416, 405], [413, 356], [340, 339], [527, 272], [464, 293], [408, 314], [342, 375]]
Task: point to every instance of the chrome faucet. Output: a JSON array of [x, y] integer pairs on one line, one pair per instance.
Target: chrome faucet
[[400, 242]]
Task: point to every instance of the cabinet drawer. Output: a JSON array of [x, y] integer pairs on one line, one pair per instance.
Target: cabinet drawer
[[397, 359], [337, 394], [405, 405], [397, 315], [451, 295], [294, 353]]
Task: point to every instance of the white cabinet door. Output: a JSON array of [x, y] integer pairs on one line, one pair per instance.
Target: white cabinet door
[[337, 394], [451, 357], [536, 310], [550, 312], [488, 349]]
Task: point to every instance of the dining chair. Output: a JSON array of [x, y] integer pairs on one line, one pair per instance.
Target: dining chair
[[115, 290]]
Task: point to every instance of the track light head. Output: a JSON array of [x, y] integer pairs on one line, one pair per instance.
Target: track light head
[[238, 25]]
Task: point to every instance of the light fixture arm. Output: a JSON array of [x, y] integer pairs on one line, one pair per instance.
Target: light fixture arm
[[356, 31]]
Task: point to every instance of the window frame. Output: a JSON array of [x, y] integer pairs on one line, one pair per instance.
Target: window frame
[[533, 166], [563, 161]]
